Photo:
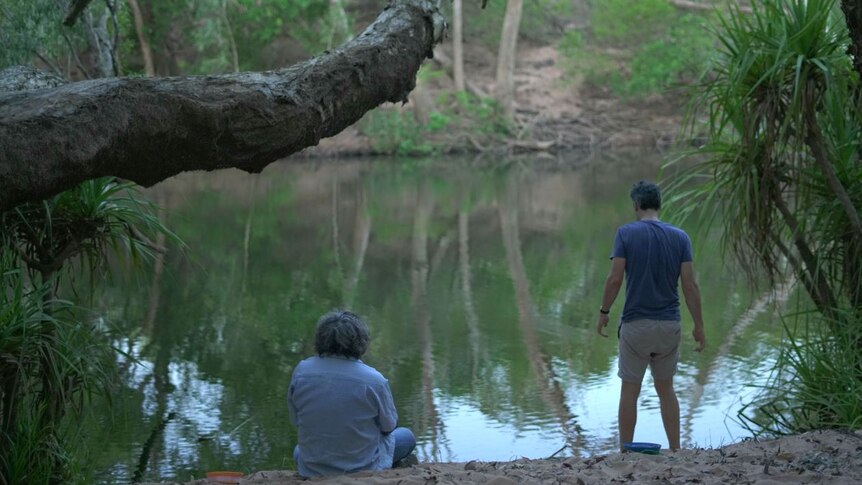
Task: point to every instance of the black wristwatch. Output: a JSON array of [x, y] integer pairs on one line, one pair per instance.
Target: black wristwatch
[[603, 311]]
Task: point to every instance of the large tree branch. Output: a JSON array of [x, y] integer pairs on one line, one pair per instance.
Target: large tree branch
[[148, 129]]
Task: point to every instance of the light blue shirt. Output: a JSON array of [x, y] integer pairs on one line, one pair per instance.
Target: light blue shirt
[[654, 253], [343, 411]]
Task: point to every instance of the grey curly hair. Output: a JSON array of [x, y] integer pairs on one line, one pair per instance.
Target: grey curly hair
[[341, 333]]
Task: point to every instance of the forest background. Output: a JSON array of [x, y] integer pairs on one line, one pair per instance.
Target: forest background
[[588, 74], [780, 138]]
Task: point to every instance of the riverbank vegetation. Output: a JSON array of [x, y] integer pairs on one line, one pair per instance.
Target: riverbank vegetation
[[54, 356], [782, 175]]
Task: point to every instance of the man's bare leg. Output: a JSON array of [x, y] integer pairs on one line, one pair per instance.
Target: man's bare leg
[[628, 412], [669, 411]]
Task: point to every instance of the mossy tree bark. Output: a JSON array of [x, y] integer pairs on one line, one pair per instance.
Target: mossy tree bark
[[148, 129]]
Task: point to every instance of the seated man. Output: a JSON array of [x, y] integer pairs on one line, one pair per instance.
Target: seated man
[[343, 409]]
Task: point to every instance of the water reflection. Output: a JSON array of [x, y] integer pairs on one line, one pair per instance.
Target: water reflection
[[480, 284]]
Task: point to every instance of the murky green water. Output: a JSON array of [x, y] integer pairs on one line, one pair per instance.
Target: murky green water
[[480, 282]]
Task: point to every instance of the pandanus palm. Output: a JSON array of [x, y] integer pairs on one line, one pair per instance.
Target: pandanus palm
[[48, 362], [781, 168], [85, 224], [782, 162]]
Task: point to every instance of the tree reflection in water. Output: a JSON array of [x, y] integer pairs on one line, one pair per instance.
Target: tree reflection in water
[[488, 343]]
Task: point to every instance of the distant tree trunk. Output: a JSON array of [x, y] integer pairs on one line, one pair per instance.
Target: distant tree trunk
[[505, 89], [100, 43], [448, 64], [339, 23], [458, 46], [422, 103], [146, 51], [234, 55], [76, 7], [148, 129]]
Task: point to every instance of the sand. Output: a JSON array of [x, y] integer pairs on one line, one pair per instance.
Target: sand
[[813, 457]]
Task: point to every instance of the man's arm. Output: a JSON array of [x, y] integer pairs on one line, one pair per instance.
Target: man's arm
[[388, 416], [612, 288], [692, 301]]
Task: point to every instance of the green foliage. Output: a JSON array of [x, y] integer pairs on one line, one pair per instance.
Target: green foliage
[[774, 71], [29, 28], [779, 116], [95, 219], [582, 59], [32, 453], [638, 48], [541, 20], [626, 23], [51, 360], [48, 366], [482, 115], [396, 132], [217, 27], [662, 63], [816, 384]]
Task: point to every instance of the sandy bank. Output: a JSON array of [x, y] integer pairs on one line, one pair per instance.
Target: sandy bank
[[813, 457]]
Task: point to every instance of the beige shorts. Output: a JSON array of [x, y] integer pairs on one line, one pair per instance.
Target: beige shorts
[[653, 343]]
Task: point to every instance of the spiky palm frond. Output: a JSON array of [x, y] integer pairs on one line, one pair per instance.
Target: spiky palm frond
[[781, 172], [778, 72], [95, 219]]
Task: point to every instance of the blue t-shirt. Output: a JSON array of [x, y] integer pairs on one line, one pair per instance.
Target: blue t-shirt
[[343, 411], [654, 252]]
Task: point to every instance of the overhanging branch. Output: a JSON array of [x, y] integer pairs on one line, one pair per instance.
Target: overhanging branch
[[148, 129]]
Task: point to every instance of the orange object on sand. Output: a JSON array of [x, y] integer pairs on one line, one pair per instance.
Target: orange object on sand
[[224, 477]]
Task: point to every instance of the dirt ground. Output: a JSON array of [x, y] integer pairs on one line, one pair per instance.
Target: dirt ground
[[815, 457], [555, 110]]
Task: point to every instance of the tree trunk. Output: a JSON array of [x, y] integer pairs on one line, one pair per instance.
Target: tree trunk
[[338, 21], [814, 140], [76, 7], [422, 103], [100, 42], [234, 55], [505, 88], [148, 129], [443, 60], [146, 52], [458, 46], [811, 274]]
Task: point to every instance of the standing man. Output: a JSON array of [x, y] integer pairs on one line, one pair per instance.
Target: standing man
[[653, 256]]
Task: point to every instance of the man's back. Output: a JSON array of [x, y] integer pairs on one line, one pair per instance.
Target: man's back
[[654, 252], [342, 408]]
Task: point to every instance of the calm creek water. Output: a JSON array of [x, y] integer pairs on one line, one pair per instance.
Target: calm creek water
[[480, 282]]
